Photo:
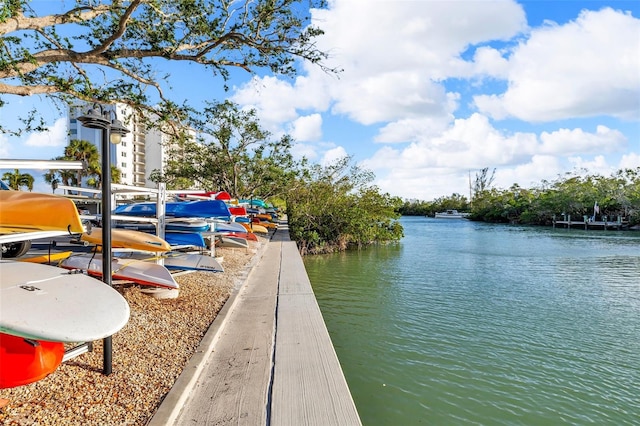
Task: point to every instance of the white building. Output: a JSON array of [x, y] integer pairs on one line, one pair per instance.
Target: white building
[[139, 153], [157, 146]]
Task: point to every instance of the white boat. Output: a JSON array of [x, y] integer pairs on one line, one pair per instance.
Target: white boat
[[451, 214]]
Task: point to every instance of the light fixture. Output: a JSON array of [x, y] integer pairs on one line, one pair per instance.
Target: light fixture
[[112, 131], [117, 130]]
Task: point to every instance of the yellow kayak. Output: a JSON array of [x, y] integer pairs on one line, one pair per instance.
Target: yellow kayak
[[128, 238], [46, 258], [255, 228], [32, 211]]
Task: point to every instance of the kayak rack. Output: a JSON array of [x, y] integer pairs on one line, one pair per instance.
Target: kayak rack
[[77, 350]]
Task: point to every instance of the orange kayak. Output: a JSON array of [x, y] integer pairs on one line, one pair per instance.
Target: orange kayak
[[32, 211], [24, 361]]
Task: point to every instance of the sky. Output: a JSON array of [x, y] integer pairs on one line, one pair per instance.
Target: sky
[[432, 92]]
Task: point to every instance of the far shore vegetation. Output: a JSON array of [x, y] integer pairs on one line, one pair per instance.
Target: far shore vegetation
[[574, 194]]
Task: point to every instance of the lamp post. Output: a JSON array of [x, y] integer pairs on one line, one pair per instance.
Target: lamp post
[[112, 131]]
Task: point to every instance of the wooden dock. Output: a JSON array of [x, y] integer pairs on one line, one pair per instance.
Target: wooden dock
[[586, 223], [267, 358]]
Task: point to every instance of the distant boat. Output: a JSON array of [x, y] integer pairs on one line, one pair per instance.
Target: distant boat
[[451, 214]]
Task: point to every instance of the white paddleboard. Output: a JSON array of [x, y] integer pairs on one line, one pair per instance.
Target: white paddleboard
[[134, 270], [44, 302]]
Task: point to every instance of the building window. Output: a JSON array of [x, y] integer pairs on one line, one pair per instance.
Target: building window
[[123, 154], [123, 164]]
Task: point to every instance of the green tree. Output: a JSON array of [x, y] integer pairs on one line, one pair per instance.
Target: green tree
[[85, 151], [124, 43], [57, 177], [336, 207], [17, 180], [232, 153]]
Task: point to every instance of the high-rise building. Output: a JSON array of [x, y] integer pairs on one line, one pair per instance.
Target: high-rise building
[[129, 156], [141, 151]]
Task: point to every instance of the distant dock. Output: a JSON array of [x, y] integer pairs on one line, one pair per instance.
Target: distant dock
[[586, 223]]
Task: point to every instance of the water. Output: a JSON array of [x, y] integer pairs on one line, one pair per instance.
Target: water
[[467, 323]]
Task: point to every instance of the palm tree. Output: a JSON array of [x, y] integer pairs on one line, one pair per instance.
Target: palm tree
[[16, 180], [56, 177], [85, 151]]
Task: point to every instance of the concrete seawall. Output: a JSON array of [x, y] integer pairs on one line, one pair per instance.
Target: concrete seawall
[[267, 359]]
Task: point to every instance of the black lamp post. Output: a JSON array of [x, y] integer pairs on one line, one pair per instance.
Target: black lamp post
[[112, 131]]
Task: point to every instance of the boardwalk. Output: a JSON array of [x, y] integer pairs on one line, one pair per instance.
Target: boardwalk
[[267, 359]]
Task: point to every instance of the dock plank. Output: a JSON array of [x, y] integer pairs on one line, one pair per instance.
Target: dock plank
[[233, 386], [309, 387], [271, 361]]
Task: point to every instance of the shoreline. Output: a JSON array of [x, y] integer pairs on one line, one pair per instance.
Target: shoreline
[[149, 354]]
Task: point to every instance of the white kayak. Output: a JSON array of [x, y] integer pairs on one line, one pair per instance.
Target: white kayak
[[45, 302], [134, 270], [180, 261]]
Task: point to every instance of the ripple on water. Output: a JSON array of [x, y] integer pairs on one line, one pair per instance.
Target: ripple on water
[[471, 324]]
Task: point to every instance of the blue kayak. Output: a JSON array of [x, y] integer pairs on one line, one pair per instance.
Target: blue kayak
[[210, 209]]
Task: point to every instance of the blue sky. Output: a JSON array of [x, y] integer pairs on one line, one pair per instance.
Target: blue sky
[[435, 90]]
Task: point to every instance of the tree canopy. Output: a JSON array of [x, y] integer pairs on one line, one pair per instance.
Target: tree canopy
[[17, 180], [337, 207], [231, 153], [111, 51]]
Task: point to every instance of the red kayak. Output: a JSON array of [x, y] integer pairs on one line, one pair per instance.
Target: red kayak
[[24, 361], [246, 235]]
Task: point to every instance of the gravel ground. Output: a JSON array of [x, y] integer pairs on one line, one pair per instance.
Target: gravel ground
[[149, 354]]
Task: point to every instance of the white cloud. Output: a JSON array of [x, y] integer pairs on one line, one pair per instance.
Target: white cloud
[[307, 128], [565, 141], [585, 68], [396, 54], [629, 161], [55, 136], [278, 101], [332, 155], [440, 165]]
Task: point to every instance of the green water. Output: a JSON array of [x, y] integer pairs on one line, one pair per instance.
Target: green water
[[467, 323]]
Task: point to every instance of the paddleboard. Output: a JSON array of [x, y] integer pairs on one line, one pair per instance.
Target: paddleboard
[[32, 211], [128, 238], [46, 257], [133, 270], [24, 361], [43, 302]]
